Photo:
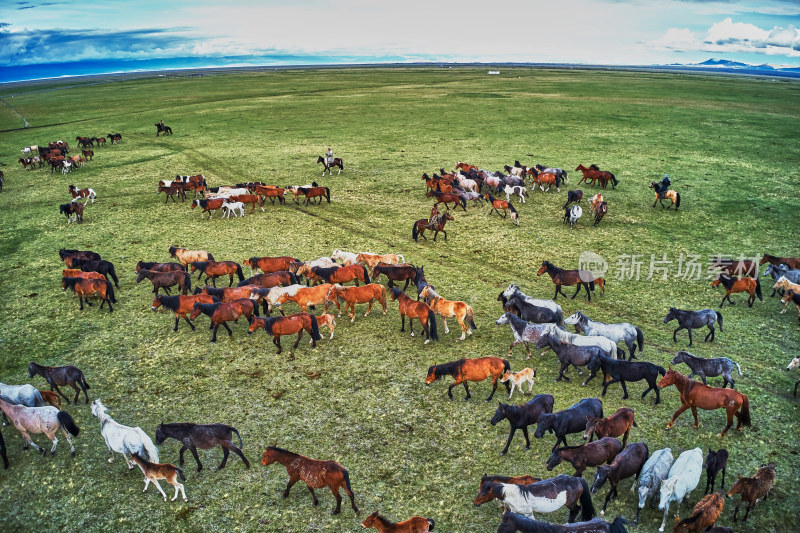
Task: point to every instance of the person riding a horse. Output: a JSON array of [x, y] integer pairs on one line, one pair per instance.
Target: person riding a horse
[[663, 186], [434, 218], [329, 155]]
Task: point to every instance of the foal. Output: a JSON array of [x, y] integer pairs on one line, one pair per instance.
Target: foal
[[155, 471], [415, 524], [715, 461], [753, 488]]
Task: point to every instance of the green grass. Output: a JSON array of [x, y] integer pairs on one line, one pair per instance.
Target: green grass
[[729, 145]]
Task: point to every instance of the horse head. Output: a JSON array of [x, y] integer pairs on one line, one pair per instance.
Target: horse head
[[554, 460], [543, 423], [672, 315], [432, 376], [600, 477], [499, 414]]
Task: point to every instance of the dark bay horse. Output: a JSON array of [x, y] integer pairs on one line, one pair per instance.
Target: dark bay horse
[[314, 473], [620, 370], [437, 225], [223, 312], [590, 454], [571, 354], [568, 277], [102, 266], [570, 420], [161, 128], [791, 262], [522, 416], [514, 522], [419, 310], [159, 267], [88, 287], [753, 488], [165, 280], [395, 273], [628, 463], [465, 370], [203, 436], [617, 425], [60, 376], [694, 319], [695, 395], [337, 162]]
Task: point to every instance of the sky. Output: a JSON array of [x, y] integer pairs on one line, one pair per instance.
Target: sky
[[211, 33]]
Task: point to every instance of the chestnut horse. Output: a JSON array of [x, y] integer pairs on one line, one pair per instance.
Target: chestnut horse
[[188, 256], [78, 273], [791, 262], [314, 473], [704, 514], [220, 313], [753, 488], [287, 325], [694, 394], [268, 265], [413, 309], [448, 308], [314, 192], [215, 269], [465, 370], [273, 279], [342, 274], [181, 305], [447, 198], [88, 287], [568, 277], [306, 297], [51, 397], [618, 424], [415, 524], [366, 294], [752, 286], [166, 471]]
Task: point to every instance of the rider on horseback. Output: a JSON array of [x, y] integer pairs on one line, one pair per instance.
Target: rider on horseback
[[663, 186], [434, 218], [329, 156]]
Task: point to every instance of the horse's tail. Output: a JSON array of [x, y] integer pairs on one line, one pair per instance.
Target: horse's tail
[[471, 318], [315, 329], [68, 423], [188, 279], [738, 368], [587, 508], [180, 473], [661, 370], [328, 194], [147, 450], [433, 333], [239, 272], [234, 430], [744, 419], [113, 275], [677, 200], [686, 523], [366, 274], [86, 384], [341, 164], [346, 476], [614, 180], [431, 523], [758, 290], [506, 366], [719, 319], [414, 231], [639, 338], [110, 292]]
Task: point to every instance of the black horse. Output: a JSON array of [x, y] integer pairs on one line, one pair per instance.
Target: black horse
[[203, 436], [620, 370], [694, 319], [160, 128], [104, 267], [513, 522], [527, 311], [61, 376], [522, 416], [573, 196], [627, 463], [715, 461], [570, 420], [419, 280]]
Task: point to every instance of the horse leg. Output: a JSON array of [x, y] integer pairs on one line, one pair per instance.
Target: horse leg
[[710, 333], [214, 335], [53, 385], [403, 322], [664, 520], [446, 329], [494, 388], [468, 396], [678, 413], [696, 420], [690, 337], [77, 392], [187, 321], [369, 307], [625, 390], [225, 454], [155, 482], [561, 375], [193, 449], [277, 342], [730, 412], [297, 342], [71, 447], [508, 442]]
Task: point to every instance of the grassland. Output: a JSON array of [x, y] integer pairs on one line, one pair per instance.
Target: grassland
[[729, 145]]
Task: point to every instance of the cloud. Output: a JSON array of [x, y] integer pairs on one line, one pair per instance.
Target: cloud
[[728, 36]]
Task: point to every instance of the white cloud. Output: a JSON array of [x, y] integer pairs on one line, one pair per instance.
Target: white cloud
[[728, 36]]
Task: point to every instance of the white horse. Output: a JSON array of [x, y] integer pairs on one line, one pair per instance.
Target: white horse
[[466, 183], [572, 214], [275, 294], [684, 475], [519, 190], [344, 258], [654, 471], [123, 439], [232, 207], [607, 345], [26, 395], [65, 167], [29, 149], [623, 331]]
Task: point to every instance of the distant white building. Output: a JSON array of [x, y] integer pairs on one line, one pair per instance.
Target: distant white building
[[494, 72]]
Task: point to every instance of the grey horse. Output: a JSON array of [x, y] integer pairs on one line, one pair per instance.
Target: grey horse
[[523, 331], [717, 366], [694, 319], [26, 395], [623, 331], [654, 471]]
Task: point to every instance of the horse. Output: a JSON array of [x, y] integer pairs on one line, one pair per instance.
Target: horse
[[182, 306], [570, 420], [415, 524], [47, 420], [60, 376], [273, 279], [791, 262], [590, 454], [394, 273], [622, 371], [88, 287], [73, 211], [229, 207], [171, 191], [188, 256], [572, 214], [513, 522], [366, 294], [314, 473], [203, 436], [512, 290], [99, 140], [712, 367], [372, 260], [271, 193], [568, 277], [753, 488], [419, 310], [437, 225], [115, 138], [791, 297], [545, 496], [498, 204], [749, 285], [51, 397], [420, 281], [102, 266], [268, 265], [337, 162], [303, 296], [600, 209], [595, 174], [623, 331], [88, 154], [222, 312], [209, 206], [465, 370], [214, 269], [704, 514], [793, 364], [616, 425], [161, 128], [159, 267], [654, 471], [694, 319], [715, 461], [287, 325], [69, 255], [571, 354], [683, 477], [522, 416], [522, 192], [560, 172], [573, 196], [165, 280], [607, 346], [87, 193], [78, 273], [546, 178], [519, 306], [155, 471], [783, 283], [346, 274], [449, 308], [627, 463], [518, 379], [123, 439], [314, 192], [344, 258], [26, 395], [328, 320], [672, 196], [447, 198], [695, 394]]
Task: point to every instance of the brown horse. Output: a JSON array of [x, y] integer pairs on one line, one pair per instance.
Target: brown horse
[[215, 269], [672, 196], [413, 309], [466, 167], [749, 285], [314, 192], [273, 279], [159, 267], [568, 277], [155, 471], [415, 524], [78, 273], [188, 256], [514, 480], [182, 306], [599, 210], [220, 313], [165, 280], [419, 227], [47, 420], [252, 199], [447, 198], [791, 262], [465, 370], [402, 272], [704, 514], [60, 376], [594, 173], [449, 308], [366, 294], [694, 394], [591, 454], [373, 260], [268, 265], [89, 287], [744, 267], [618, 424], [51, 397], [314, 473], [307, 296], [342, 274], [287, 325], [753, 488], [328, 320], [171, 191]]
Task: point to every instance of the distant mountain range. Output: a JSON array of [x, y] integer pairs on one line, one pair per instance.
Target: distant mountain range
[[724, 64]]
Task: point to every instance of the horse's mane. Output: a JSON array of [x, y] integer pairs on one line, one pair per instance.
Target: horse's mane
[[594, 167], [449, 368], [200, 265], [170, 302], [281, 450], [726, 281]]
